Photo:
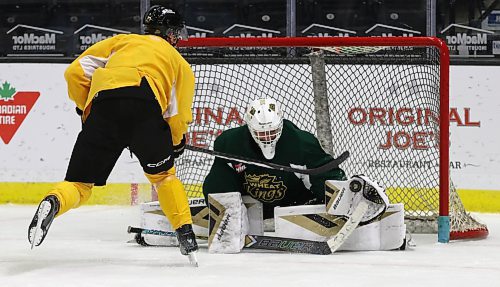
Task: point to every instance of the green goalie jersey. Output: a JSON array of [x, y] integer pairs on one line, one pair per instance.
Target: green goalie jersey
[[296, 148]]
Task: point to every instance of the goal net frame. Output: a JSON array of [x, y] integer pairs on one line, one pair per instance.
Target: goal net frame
[[355, 46]]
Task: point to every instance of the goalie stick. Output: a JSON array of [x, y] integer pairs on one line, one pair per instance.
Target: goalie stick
[[310, 171], [353, 221], [261, 242]]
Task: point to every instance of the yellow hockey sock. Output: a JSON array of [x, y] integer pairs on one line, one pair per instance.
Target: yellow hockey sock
[[172, 197], [71, 194]]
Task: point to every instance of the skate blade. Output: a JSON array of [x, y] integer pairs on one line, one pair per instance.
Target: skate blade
[[41, 214], [193, 260]]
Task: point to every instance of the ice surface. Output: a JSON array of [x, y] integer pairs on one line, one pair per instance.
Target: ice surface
[[88, 247]]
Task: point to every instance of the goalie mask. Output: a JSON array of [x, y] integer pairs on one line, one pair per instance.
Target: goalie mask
[[166, 23], [264, 119]]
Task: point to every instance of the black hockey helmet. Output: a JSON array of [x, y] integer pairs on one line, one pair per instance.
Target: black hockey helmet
[[166, 23]]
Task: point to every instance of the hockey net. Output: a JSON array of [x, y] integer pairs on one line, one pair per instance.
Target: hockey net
[[385, 100]]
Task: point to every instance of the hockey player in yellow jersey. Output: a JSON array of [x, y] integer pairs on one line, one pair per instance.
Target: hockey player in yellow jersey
[[131, 91]]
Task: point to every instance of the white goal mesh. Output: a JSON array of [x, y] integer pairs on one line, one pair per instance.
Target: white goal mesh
[[385, 100]]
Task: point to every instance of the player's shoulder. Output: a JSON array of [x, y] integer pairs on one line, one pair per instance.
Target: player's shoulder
[[230, 136], [302, 140], [127, 36], [291, 130]]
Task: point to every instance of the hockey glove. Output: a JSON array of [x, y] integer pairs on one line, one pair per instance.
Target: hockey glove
[[78, 111], [179, 149]]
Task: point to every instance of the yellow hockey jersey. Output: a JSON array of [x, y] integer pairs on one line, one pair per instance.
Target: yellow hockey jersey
[[123, 60]]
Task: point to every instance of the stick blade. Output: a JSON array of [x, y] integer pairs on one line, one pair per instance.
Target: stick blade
[[193, 259], [336, 241]]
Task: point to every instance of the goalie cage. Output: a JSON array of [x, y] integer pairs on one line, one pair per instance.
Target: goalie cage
[[384, 99]]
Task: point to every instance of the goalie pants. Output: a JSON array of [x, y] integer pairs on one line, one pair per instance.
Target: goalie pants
[[128, 117]]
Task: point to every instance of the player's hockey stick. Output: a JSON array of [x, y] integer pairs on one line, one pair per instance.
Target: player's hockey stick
[[261, 242], [192, 256], [311, 171]]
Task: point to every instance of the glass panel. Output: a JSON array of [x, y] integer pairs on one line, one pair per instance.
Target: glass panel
[[63, 27], [471, 28], [361, 18]]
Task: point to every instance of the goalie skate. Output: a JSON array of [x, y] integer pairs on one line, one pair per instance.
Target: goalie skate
[[40, 224], [187, 243]]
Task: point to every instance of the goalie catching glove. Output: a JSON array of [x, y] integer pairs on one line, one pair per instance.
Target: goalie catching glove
[[342, 197]]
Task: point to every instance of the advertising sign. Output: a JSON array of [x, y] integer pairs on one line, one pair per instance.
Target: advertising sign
[[38, 126], [383, 30], [242, 31], [88, 35], [318, 30], [492, 21], [24, 40], [195, 32], [14, 107], [465, 41]]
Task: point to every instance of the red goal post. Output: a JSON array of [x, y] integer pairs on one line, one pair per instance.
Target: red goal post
[[216, 60]]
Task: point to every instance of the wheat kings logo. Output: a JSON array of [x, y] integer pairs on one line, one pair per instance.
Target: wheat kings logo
[[265, 188]]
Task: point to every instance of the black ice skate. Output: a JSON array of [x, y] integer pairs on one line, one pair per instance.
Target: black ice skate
[[44, 216], [187, 242]]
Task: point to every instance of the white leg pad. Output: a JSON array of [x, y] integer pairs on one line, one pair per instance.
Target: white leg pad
[[388, 233], [308, 222], [152, 217], [255, 215], [228, 223], [311, 222]]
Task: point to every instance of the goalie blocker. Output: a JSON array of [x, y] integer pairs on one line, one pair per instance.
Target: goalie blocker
[[230, 217]]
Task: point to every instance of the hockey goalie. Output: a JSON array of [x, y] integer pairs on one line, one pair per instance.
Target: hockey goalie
[[324, 207], [356, 216]]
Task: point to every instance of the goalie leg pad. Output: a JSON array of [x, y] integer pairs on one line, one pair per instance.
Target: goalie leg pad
[[153, 218], [255, 215], [385, 233], [228, 223], [311, 222], [307, 222]]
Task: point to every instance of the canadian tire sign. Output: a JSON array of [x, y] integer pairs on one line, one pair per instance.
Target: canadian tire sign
[[14, 107]]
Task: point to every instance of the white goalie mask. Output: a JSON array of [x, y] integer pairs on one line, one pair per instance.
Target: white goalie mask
[[264, 119]]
